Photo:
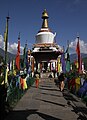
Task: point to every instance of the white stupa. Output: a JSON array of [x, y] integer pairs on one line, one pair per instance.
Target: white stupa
[[45, 47], [45, 35]]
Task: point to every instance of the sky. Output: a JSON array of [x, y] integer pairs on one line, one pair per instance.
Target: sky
[[66, 17]]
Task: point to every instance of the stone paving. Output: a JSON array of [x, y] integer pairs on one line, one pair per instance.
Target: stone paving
[[48, 103]]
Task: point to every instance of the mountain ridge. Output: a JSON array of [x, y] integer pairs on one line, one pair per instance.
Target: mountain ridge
[[73, 56], [11, 56]]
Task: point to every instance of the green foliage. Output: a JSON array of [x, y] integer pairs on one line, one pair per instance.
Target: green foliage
[[21, 63], [1, 69], [85, 63], [1, 79], [1, 59]]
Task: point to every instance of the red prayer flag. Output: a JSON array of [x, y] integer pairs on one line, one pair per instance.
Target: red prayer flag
[[78, 54], [78, 48], [18, 56]]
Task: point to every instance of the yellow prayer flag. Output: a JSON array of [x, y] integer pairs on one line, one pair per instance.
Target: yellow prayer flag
[[25, 84], [59, 64], [6, 32], [77, 80], [6, 76], [4, 36], [13, 66]]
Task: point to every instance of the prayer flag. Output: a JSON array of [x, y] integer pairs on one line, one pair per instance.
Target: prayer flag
[[25, 57], [6, 41], [68, 60], [18, 55], [63, 61], [59, 65], [78, 54]]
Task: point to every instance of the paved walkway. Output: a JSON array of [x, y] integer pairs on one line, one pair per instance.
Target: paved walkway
[[48, 103]]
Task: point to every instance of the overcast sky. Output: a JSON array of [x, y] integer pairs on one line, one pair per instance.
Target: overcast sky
[[66, 18]]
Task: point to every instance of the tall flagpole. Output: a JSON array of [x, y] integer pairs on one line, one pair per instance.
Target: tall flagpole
[[6, 44]]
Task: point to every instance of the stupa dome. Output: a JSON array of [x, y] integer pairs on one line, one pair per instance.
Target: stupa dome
[[45, 35]]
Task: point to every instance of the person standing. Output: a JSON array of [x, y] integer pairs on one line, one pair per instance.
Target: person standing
[[37, 80], [61, 81]]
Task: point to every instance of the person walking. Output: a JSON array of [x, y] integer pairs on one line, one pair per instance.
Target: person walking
[[37, 80], [61, 81]]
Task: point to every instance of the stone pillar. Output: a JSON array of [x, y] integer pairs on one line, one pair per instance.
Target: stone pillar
[[50, 66], [32, 64], [55, 65], [36, 66], [41, 66]]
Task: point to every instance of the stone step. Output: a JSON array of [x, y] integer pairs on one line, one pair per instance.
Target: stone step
[[46, 75]]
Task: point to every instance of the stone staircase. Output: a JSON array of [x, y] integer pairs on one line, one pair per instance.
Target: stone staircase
[[46, 74]]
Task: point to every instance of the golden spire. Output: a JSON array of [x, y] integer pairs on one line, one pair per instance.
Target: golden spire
[[45, 19]]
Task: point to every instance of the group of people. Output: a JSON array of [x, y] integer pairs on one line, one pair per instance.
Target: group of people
[[73, 81]]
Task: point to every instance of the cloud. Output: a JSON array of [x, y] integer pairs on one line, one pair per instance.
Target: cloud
[[83, 46], [1, 39], [12, 48], [1, 42]]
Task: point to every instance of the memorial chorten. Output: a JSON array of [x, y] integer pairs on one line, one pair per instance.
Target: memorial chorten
[[45, 50]]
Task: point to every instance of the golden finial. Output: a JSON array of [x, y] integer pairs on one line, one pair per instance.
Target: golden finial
[[45, 19], [44, 14]]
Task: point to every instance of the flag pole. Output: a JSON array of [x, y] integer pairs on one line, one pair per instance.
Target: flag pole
[[6, 45]]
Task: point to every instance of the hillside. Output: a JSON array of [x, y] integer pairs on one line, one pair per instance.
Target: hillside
[[85, 63], [73, 57], [10, 56]]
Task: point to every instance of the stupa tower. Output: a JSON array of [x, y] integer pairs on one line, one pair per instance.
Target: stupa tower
[[45, 35], [45, 50]]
